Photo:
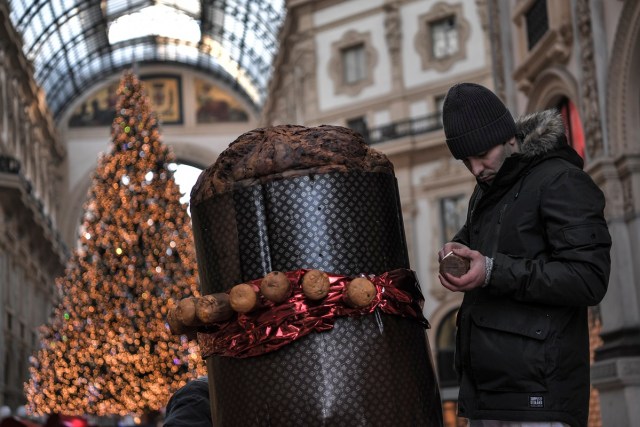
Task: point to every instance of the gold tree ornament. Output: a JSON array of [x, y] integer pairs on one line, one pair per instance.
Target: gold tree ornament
[[108, 349]]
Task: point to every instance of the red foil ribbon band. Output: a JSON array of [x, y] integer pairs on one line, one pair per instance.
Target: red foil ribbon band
[[272, 326]]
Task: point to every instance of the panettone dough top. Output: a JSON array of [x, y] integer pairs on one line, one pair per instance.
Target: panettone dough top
[[271, 153]]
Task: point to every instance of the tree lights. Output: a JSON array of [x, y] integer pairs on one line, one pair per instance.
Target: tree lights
[[107, 349]]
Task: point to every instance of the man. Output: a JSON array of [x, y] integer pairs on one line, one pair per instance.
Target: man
[[538, 246], [190, 405]]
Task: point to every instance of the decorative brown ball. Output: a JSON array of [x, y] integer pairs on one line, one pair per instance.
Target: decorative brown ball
[[275, 287], [186, 311], [315, 284], [360, 292], [175, 325], [213, 308], [454, 265], [243, 298]]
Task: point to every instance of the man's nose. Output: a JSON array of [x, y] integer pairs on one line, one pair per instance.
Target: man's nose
[[476, 167]]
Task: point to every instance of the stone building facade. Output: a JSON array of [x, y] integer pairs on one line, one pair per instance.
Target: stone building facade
[[32, 253]]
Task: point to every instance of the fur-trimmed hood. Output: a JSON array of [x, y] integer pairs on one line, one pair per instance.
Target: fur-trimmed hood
[[540, 133], [540, 137]]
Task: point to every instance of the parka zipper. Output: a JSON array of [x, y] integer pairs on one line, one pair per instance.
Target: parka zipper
[[494, 249], [503, 209], [473, 210]]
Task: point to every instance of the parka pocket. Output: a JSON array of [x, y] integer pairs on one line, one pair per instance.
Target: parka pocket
[[507, 348], [586, 234]]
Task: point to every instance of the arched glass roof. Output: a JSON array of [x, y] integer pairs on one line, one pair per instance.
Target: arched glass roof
[[74, 43]]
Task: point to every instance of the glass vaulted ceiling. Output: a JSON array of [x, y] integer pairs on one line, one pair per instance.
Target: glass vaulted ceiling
[[74, 43]]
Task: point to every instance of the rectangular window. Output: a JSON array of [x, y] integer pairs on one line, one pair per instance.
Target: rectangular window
[[453, 212], [537, 22], [359, 124], [439, 105], [444, 36], [354, 61]]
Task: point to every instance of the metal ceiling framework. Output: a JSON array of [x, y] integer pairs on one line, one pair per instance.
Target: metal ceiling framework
[[72, 43]]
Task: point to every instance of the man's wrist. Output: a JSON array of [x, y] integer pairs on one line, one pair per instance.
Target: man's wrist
[[488, 268]]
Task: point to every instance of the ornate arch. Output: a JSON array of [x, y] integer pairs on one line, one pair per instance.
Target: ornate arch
[[439, 315], [552, 84], [623, 86], [194, 155], [71, 218]]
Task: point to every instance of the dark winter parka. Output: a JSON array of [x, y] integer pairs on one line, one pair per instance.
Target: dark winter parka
[[522, 341]]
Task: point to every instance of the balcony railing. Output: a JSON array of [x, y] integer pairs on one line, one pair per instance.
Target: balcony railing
[[415, 126], [11, 165]]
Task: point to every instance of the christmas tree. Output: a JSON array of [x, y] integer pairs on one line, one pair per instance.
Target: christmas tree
[[108, 349]]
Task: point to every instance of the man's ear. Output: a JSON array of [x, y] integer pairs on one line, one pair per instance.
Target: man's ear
[[514, 144]]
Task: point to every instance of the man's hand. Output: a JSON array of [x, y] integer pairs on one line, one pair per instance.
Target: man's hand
[[474, 278]]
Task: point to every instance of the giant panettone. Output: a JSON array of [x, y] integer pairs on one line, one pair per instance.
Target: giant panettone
[[291, 199]]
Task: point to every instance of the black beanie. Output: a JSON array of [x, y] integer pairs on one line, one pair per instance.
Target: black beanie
[[475, 120]]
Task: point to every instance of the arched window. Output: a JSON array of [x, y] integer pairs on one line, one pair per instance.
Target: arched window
[[573, 125]]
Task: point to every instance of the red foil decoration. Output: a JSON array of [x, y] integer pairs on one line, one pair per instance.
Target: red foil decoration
[[272, 326]]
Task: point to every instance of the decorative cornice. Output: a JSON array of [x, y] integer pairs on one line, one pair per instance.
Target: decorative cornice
[[612, 373]]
